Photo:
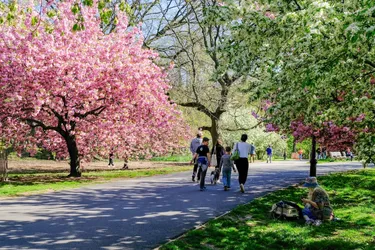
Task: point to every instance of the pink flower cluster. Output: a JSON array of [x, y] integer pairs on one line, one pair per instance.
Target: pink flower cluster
[[331, 136], [104, 90]]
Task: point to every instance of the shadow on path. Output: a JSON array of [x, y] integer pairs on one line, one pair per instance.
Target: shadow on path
[[131, 214]]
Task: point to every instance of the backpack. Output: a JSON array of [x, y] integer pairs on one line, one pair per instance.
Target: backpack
[[286, 210]]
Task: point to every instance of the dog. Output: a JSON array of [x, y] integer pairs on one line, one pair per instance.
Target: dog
[[214, 177]]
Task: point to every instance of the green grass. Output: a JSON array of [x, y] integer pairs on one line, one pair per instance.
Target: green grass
[[249, 226], [173, 158], [332, 160], [24, 184]]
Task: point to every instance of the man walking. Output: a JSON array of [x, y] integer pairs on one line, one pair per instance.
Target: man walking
[[269, 153], [202, 155], [195, 143]]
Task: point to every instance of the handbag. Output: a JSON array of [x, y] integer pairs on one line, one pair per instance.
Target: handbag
[[214, 158], [236, 154]]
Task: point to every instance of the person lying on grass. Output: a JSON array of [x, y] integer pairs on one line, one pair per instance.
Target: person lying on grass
[[317, 205]]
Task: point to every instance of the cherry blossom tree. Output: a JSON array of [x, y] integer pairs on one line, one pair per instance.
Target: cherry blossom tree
[[79, 92]]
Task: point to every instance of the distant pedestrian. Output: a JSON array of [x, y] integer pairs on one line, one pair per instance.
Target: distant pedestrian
[[126, 166], [227, 165], [203, 155], [284, 155], [300, 154], [269, 153], [110, 158], [349, 154], [217, 150], [242, 163], [252, 152], [319, 153], [324, 153], [195, 143]]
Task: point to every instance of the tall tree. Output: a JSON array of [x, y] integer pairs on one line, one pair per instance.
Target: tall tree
[[205, 77], [316, 64], [82, 93]]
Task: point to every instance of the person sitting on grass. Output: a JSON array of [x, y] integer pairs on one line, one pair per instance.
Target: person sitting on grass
[[317, 205], [227, 164]]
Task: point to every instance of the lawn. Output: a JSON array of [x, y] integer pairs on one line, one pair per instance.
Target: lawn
[[173, 158], [249, 226], [25, 184]]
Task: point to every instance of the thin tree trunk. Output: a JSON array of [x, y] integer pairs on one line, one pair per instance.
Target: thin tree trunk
[[214, 131], [74, 158], [313, 160]]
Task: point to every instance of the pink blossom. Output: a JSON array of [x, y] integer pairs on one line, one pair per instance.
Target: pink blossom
[[103, 90], [253, 113]]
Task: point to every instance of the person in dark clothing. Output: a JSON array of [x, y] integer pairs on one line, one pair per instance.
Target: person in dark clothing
[[242, 163], [219, 151], [111, 156], [203, 155], [195, 143]]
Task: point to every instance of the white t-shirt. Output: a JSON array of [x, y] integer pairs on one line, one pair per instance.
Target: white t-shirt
[[244, 149]]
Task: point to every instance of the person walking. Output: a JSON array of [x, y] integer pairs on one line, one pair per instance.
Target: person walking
[[252, 152], [318, 153], [300, 154], [227, 165], [202, 156], [217, 150], [242, 163], [195, 143], [269, 153], [110, 159]]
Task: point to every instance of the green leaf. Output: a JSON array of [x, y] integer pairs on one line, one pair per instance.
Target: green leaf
[[75, 9], [87, 2], [34, 20]]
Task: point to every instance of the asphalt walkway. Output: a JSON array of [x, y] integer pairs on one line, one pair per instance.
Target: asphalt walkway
[[136, 213]]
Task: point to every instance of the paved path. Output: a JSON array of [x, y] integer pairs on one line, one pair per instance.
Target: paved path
[[137, 213]]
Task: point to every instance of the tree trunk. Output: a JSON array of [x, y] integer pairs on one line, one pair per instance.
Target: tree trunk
[[294, 145], [313, 160], [214, 131], [74, 158]]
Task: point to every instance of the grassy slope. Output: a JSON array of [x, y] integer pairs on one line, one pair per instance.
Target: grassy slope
[[21, 184], [250, 227]]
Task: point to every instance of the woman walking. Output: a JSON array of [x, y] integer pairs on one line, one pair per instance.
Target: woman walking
[[217, 150], [242, 163]]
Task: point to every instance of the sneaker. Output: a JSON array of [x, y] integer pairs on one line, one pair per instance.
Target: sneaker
[[317, 223], [242, 188], [309, 222], [225, 188], [202, 189]]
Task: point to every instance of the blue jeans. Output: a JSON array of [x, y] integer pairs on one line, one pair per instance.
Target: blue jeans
[[227, 172], [309, 214]]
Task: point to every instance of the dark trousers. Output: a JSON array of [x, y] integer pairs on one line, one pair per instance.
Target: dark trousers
[[242, 165], [203, 177]]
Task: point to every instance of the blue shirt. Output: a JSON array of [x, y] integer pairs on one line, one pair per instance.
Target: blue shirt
[[269, 151]]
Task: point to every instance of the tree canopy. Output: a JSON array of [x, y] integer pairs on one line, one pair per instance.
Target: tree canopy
[[82, 93]]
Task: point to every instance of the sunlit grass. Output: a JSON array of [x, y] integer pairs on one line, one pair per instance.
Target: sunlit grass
[[250, 226]]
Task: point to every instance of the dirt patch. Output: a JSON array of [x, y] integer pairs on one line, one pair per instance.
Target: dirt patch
[[48, 166]]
